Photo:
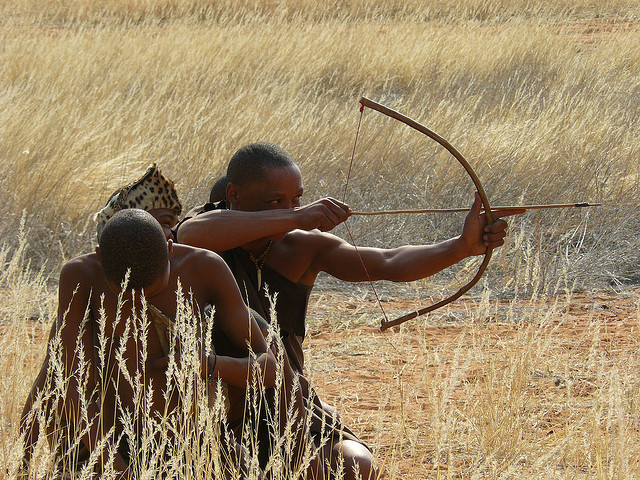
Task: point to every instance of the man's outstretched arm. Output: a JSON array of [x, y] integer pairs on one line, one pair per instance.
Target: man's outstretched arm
[[412, 262]]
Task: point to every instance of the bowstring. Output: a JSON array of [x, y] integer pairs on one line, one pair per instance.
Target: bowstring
[[353, 154], [353, 242]]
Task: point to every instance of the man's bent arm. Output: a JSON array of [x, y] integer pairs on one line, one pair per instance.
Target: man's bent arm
[[221, 230]]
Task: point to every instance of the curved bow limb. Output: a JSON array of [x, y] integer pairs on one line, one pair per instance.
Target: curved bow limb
[[365, 102]]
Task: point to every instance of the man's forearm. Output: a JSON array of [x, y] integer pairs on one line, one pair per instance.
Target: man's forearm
[[222, 230], [410, 263]]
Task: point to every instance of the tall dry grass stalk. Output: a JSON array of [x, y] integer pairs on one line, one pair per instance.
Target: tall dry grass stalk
[[193, 440]]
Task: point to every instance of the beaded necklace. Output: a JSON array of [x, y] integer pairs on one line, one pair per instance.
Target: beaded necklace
[[259, 262]]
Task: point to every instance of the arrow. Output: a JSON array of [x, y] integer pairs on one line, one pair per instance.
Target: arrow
[[452, 210]]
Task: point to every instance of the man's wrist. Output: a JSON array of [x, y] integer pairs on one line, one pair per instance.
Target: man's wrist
[[459, 248], [298, 219]]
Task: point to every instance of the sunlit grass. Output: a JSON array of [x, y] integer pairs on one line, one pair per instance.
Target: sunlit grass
[[541, 98]]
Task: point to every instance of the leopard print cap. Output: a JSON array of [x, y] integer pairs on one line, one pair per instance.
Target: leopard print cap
[[152, 191]]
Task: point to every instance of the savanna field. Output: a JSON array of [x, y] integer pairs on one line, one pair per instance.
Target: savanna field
[[535, 373]]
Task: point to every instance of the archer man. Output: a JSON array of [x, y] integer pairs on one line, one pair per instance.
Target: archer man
[[269, 239]]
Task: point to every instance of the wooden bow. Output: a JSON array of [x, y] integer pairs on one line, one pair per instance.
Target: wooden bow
[[483, 196]]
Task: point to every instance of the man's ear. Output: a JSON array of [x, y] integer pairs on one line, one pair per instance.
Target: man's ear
[[170, 246], [98, 250], [232, 193]]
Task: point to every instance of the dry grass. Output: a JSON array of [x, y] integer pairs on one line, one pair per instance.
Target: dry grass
[[483, 389], [541, 97], [489, 390]]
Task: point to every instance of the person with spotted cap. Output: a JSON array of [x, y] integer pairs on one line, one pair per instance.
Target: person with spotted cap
[[153, 192]]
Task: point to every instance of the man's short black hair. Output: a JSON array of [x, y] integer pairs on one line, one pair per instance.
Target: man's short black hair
[[250, 163], [133, 239]]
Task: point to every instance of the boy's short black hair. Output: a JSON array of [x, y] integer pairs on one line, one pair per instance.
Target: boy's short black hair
[[219, 190], [133, 239], [250, 163]]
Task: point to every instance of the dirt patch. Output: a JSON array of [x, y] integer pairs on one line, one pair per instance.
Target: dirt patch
[[399, 388]]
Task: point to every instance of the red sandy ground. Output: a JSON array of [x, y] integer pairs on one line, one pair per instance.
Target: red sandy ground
[[356, 367]]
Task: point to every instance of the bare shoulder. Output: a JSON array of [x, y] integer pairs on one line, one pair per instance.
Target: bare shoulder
[[202, 271], [81, 280], [188, 257], [81, 269]]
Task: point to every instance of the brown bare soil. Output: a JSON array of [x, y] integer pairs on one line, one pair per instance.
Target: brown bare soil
[[390, 386], [595, 30]]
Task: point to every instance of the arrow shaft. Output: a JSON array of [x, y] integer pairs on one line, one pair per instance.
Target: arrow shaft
[[453, 210]]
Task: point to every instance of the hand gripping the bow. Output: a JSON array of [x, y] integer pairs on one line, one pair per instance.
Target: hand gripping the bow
[[488, 218]]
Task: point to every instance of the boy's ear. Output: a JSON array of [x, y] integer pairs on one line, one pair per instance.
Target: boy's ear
[[170, 246]]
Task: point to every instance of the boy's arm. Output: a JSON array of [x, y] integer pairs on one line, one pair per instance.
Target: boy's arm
[[76, 342], [29, 421], [238, 325]]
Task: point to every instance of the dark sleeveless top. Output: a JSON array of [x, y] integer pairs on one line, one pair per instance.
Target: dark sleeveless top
[[291, 300]]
